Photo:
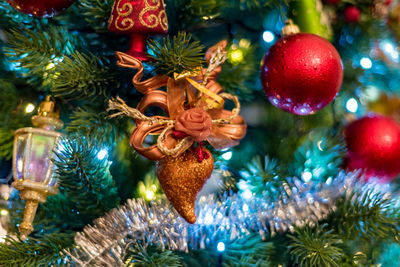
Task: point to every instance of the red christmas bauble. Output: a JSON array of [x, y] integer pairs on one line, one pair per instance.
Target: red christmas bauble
[[331, 2], [373, 144], [352, 14], [301, 73], [40, 8]]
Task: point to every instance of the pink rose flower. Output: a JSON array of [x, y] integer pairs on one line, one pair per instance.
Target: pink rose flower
[[194, 122]]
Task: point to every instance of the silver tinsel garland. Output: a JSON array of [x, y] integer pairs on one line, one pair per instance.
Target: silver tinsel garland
[[219, 219]]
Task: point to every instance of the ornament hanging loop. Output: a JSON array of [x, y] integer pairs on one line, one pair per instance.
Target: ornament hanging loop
[[290, 28]]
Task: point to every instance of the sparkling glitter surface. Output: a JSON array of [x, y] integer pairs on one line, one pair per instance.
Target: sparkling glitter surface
[[182, 178]]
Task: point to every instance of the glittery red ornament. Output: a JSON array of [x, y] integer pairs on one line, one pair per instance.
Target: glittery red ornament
[[41, 8], [301, 73], [139, 19], [373, 144], [352, 14]]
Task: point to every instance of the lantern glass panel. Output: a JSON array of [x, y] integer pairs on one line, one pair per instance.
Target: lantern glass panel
[[33, 155], [40, 151], [20, 155]]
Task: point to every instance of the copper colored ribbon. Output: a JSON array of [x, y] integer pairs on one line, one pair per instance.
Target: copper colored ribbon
[[173, 103]]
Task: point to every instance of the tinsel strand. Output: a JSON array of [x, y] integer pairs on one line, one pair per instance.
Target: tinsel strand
[[224, 218]]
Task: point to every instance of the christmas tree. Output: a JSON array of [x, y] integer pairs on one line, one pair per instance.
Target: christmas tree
[[199, 133]]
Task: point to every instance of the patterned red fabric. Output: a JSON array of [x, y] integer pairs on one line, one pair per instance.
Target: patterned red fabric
[[147, 17]]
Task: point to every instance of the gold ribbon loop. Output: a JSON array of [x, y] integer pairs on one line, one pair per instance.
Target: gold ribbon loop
[[213, 100]]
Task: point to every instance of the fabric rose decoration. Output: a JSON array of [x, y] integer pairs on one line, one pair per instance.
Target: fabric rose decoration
[[194, 122]]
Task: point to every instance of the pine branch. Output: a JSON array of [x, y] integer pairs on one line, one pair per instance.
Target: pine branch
[[249, 251], [6, 143], [84, 178], [176, 55], [139, 256], [365, 215], [320, 154], [239, 75], [192, 12], [12, 117], [96, 126], [83, 76], [38, 51], [316, 247], [96, 13], [42, 251], [260, 177]]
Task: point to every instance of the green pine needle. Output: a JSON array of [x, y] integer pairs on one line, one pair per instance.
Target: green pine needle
[[37, 51], [6, 143], [96, 13], [249, 251], [320, 153], [84, 178], [177, 55], [96, 125], [83, 76], [42, 251], [366, 215], [316, 247], [260, 177], [139, 256]]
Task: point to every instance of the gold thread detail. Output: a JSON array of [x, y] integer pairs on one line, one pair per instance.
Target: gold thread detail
[[152, 19], [123, 12]]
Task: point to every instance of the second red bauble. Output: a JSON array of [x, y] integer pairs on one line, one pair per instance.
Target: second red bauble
[[41, 8], [301, 73], [373, 144], [352, 14]]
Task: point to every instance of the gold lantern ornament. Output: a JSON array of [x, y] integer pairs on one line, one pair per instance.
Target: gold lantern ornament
[[32, 164]]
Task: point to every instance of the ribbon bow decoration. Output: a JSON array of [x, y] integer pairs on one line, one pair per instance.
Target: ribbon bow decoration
[[184, 100]]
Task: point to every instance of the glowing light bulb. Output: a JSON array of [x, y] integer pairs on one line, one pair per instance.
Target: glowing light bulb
[[371, 93], [245, 43], [245, 208], [236, 56], [388, 47], [352, 105], [208, 219], [29, 108], [4, 212], [102, 154], [365, 63], [306, 176], [247, 194], [221, 247], [149, 195], [268, 37], [227, 155]]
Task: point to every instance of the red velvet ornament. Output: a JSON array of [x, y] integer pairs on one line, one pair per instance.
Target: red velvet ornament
[[301, 73], [139, 19], [352, 14], [373, 144], [40, 8]]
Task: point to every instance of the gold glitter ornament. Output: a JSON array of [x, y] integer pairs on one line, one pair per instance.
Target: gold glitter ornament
[[182, 178]]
